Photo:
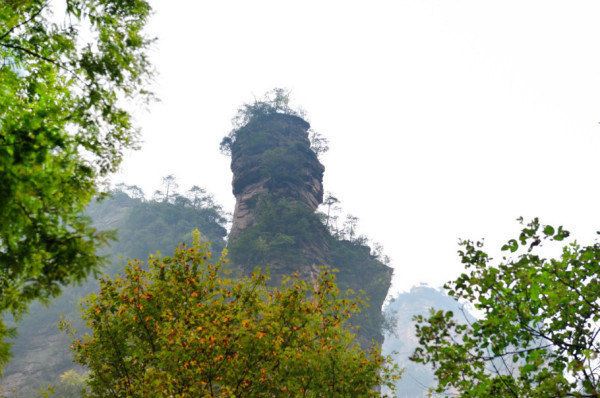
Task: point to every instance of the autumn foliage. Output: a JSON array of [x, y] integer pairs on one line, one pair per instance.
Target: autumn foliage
[[183, 329]]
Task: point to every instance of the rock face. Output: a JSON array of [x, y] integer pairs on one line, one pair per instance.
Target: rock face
[[263, 162], [278, 185]]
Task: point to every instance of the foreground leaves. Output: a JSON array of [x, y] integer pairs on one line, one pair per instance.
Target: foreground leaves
[[539, 331], [68, 69], [182, 329]]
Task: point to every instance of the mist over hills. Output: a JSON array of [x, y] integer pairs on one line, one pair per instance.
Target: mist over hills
[[401, 342]]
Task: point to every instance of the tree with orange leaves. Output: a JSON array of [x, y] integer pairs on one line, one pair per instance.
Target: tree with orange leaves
[[183, 329]]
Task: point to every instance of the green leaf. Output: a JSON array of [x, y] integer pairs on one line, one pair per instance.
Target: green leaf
[[511, 246], [548, 230], [535, 292]]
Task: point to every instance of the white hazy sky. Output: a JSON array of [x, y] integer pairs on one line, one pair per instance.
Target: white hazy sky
[[446, 118]]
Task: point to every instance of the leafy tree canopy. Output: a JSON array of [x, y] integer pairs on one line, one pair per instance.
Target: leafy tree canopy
[[540, 331], [68, 69], [182, 329]]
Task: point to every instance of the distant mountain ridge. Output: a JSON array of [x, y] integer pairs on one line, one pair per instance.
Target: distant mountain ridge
[[417, 378]]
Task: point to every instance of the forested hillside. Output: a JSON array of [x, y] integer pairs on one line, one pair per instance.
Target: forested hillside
[[40, 351]]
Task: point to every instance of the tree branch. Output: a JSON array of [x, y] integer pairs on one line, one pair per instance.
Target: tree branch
[[31, 18]]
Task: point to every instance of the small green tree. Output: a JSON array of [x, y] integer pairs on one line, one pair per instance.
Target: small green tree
[[182, 329], [539, 335], [319, 144], [329, 201], [170, 186], [67, 70], [199, 197]]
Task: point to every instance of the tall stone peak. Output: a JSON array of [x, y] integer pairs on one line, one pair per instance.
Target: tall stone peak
[[272, 155], [278, 185]]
